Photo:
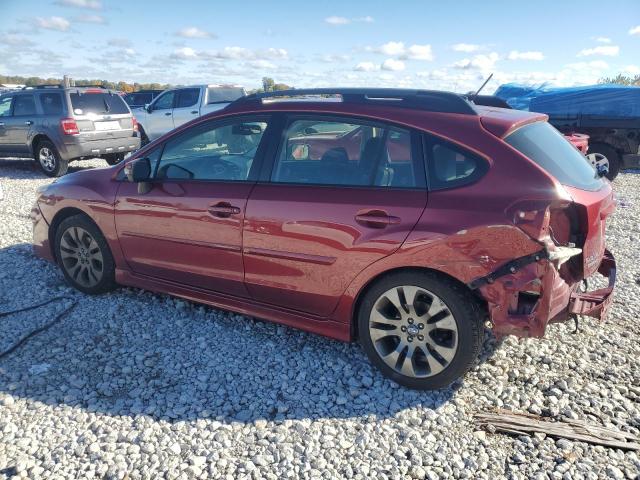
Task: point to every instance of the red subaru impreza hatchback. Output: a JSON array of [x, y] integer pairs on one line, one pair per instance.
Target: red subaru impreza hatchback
[[405, 219]]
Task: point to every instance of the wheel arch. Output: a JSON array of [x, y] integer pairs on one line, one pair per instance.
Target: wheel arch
[[39, 137], [481, 302], [61, 215]]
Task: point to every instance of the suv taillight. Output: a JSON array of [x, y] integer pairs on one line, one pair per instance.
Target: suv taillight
[[134, 124], [69, 126]]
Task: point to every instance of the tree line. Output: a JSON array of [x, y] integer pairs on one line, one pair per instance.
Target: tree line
[[268, 84]]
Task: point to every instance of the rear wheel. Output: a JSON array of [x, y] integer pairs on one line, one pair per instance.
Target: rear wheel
[[420, 329], [46, 154], [603, 154], [143, 136], [84, 255]]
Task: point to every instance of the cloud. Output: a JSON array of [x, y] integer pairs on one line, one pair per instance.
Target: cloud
[[592, 65], [516, 55], [184, 53], [99, 19], [366, 67], [602, 39], [634, 30], [264, 64], [632, 69], [119, 42], [53, 23], [194, 32], [420, 52], [334, 20], [92, 4], [389, 48], [241, 53], [15, 40], [465, 47], [479, 62], [605, 50], [334, 58], [393, 65]]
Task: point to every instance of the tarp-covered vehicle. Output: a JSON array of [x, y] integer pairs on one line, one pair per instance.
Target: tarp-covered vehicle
[[609, 114]]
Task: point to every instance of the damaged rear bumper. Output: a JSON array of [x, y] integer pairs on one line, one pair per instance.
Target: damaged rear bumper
[[527, 294]]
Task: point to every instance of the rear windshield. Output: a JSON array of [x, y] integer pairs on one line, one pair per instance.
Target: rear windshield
[[549, 149], [224, 94], [100, 103]]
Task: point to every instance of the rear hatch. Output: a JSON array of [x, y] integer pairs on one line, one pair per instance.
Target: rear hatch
[[583, 221], [101, 114]]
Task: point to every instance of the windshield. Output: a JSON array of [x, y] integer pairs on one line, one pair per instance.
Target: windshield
[[224, 94], [549, 149], [100, 103]]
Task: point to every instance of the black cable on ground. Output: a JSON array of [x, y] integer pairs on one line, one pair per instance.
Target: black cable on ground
[[41, 329]]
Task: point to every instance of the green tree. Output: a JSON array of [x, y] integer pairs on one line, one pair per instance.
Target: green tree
[[621, 79], [267, 84]]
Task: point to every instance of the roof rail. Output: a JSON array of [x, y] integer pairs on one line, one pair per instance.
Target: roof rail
[[44, 85], [90, 86], [430, 100]]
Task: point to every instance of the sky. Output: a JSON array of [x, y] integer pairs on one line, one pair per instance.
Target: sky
[[449, 45]]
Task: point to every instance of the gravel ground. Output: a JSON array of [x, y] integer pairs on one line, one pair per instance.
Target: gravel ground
[[136, 385]]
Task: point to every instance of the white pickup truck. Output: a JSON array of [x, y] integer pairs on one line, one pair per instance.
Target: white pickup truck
[[176, 106]]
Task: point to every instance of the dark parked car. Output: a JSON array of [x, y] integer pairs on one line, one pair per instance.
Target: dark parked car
[[448, 214], [141, 98], [55, 125]]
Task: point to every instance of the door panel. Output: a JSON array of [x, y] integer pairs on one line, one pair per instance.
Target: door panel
[[171, 234], [303, 247], [5, 113], [18, 126]]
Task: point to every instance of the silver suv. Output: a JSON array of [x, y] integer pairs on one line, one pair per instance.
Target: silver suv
[[55, 125]]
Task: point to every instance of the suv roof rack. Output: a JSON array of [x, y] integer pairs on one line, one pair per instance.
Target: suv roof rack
[[429, 100], [44, 85], [90, 86]]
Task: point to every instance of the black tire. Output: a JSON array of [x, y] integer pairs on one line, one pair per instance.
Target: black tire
[[106, 281], [143, 136], [114, 158], [613, 158], [47, 156], [464, 309]]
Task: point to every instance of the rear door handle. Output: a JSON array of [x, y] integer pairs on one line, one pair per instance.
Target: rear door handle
[[28, 122], [194, 111], [224, 210], [168, 113], [376, 219]]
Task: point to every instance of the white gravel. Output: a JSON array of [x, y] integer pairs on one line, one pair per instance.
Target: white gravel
[[136, 385]]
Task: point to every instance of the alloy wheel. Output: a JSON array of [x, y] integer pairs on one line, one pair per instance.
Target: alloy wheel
[[81, 256], [47, 159], [413, 331], [598, 161]]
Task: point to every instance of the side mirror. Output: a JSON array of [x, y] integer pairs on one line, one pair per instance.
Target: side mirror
[[147, 107], [139, 170]]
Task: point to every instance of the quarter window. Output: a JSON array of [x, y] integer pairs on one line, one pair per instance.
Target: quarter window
[[24, 105], [330, 152], [213, 152], [450, 166]]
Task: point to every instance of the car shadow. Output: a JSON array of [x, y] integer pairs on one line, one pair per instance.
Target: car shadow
[[18, 168], [132, 353]]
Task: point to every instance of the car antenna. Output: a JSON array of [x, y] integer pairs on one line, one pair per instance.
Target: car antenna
[[481, 87]]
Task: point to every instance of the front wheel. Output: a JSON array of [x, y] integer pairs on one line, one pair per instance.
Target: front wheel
[[46, 154], [84, 255], [420, 329], [114, 158]]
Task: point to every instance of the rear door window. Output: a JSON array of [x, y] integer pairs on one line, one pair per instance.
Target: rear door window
[[5, 106], [101, 103], [547, 147], [51, 103], [349, 152], [187, 97], [24, 105]]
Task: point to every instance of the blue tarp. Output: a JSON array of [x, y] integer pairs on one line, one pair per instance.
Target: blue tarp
[[594, 100]]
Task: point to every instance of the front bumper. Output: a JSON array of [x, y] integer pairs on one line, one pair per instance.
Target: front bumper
[[41, 246], [524, 301], [82, 147]]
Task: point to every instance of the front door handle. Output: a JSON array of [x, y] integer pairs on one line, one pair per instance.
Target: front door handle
[[376, 219], [224, 210], [194, 112], [28, 122], [168, 113]]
